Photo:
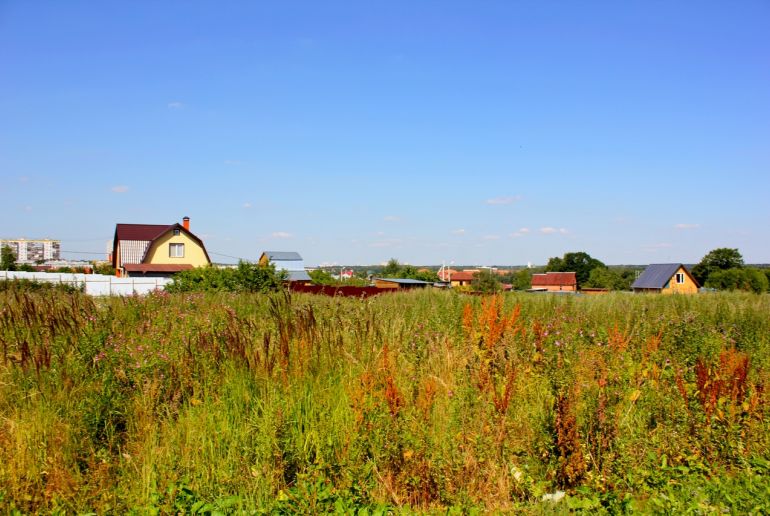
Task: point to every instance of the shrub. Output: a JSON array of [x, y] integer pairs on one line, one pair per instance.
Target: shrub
[[247, 277]]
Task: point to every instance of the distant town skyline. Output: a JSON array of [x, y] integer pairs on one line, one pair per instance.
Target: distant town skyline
[[481, 134]]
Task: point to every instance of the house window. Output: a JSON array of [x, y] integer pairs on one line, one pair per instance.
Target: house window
[[176, 250], [176, 232], [679, 278]]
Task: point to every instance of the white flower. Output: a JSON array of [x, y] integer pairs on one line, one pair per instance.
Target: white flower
[[554, 497]]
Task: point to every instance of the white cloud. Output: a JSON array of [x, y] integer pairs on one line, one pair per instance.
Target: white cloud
[[460, 231], [490, 237], [175, 105], [552, 231], [391, 218], [500, 201], [520, 233], [119, 189], [687, 226], [281, 234], [247, 205]]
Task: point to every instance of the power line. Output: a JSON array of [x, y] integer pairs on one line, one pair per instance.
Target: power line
[[229, 256]]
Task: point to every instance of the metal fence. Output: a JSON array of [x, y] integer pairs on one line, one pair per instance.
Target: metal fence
[[93, 284]]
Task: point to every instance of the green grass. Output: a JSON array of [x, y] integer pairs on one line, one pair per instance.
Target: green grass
[[423, 401]]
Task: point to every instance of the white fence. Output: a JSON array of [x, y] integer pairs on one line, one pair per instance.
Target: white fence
[[95, 284]]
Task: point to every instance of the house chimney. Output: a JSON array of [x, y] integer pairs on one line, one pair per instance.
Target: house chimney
[[186, 223]]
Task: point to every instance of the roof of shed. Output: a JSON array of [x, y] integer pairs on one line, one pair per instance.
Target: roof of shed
[[282, 255], [554, 278], [298, 276], [405, 281], [657, 275]]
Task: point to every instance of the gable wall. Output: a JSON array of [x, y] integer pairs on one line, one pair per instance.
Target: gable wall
[[193, 252], [688, 287]]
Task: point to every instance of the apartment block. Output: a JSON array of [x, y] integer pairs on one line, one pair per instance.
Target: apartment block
[[32, 251]]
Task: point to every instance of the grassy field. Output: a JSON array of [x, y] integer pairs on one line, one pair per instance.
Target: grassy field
[[422, 401]]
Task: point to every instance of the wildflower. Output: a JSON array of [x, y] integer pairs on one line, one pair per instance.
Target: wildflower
[[555, 497]]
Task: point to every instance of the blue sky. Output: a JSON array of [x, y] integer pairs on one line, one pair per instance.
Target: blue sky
[[353, 132]]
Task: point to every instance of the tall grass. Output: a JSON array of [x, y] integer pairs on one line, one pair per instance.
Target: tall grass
[[420, 401]]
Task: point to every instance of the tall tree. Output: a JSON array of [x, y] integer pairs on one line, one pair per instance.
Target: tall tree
[[486, 281], [7, 259], [720, 259], [580, 263]]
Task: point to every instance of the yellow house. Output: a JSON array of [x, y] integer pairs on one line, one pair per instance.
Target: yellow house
[[156, 249], [666, 278]]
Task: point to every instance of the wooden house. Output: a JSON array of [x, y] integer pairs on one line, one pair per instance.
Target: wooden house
[[157, 250], [666, 278]]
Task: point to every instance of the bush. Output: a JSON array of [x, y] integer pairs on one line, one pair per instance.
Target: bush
[[751, 280], [25, 285], [247, 277]]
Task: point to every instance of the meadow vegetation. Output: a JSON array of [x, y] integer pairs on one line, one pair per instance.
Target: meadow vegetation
[[420, 401]]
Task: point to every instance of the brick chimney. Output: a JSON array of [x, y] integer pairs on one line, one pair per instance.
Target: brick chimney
[[186, 223]]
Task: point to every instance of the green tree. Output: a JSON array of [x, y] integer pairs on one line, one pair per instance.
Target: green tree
[[7, 259], [486, 281], [751, 280], [247, 277], [519, 280], [580, 263], [322, 277], [392, 269], [722, 259], [611, 279]]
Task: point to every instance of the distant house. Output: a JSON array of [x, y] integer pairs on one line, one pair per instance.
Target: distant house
[[666, 278], [157, 250], [555, 282], [288, 261], [445, 273], [400, 283], [461, 278]]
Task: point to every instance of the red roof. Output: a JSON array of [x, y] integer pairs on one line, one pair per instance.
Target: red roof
[[462, 276], [444, 275], [149, 267], [554, 279], [140, 231]]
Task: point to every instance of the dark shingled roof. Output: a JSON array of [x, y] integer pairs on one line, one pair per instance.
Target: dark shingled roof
[[140, 231], [656, 275]]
